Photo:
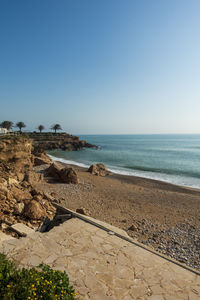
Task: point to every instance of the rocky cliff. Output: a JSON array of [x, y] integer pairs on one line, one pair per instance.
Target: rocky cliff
[[16, 153], [19, 200], [64, 141]]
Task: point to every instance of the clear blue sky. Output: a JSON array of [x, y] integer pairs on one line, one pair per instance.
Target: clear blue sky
[[101, 66]]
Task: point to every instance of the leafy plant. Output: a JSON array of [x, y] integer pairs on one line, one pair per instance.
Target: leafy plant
[[20, 125], [56, 127], [6, 124], [35, 283], [40, 128]]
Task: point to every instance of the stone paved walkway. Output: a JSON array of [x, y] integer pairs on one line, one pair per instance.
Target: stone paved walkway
[[102, 266]]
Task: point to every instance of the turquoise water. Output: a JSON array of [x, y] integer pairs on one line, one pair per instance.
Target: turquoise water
[[171, 158]]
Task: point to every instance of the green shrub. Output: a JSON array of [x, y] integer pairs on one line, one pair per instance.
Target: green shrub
[[36, 283]]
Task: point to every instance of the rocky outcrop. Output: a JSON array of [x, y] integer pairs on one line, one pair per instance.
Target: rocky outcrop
[[20, 194], [40, 157], [99, 170], [64, 141], [15, 198], [17, 152], [42, 160], [19, 201], [65, 175], [33, 177], [33, 210], [19, 208]]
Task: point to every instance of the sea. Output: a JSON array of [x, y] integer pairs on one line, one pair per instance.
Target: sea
[[173, 158]]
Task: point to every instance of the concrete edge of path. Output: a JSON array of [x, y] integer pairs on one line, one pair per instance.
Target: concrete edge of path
[[123, 235]]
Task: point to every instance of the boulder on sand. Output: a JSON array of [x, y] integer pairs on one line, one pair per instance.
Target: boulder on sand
[[65, 175], [69, 175], [54, 171], [99, 170]]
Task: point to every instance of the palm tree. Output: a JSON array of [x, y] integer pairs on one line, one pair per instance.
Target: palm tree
[[6, 124], [20, 125], [56, 127], [40, 128]]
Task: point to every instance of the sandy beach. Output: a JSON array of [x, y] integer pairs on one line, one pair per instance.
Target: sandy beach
[[159, 214]]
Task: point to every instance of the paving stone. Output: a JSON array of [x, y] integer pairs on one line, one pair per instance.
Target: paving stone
[[123, 272], [97, 240], [128, 297], [177, 297], [50, 259], [7, 247], [103, 266], [106, 278], [34, 260], [22, 229], [124, 284], [4, 237], [156, 289], [102, 233], [107, 247], [108, 226], [92, 282], [193, 296], [66, 252], [195, 289], [156, 297], [137, 292]]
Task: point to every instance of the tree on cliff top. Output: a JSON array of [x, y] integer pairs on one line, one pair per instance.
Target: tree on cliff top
[[6, 124], [20, 125], [56, 127], [40, 128]]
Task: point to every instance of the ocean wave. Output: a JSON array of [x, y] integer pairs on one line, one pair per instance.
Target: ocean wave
[[164, 171], [140, 172], [69, 162]]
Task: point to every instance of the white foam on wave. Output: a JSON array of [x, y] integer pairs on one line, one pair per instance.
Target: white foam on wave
[[174, 179], [69, 162]]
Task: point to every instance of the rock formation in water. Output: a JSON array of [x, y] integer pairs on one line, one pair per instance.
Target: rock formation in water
[[64, 141]]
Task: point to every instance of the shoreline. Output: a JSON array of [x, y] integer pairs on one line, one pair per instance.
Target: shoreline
[[165, 185], [158, 214], [161, 215]]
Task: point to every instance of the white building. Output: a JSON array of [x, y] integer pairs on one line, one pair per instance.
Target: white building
[[3, 131]]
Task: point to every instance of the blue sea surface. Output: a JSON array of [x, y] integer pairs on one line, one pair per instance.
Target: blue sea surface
[[171, 158]]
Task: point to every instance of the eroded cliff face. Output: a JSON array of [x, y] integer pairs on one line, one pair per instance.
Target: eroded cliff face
[[20, 154], [13, 149], [16, 152], [19, 200]]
